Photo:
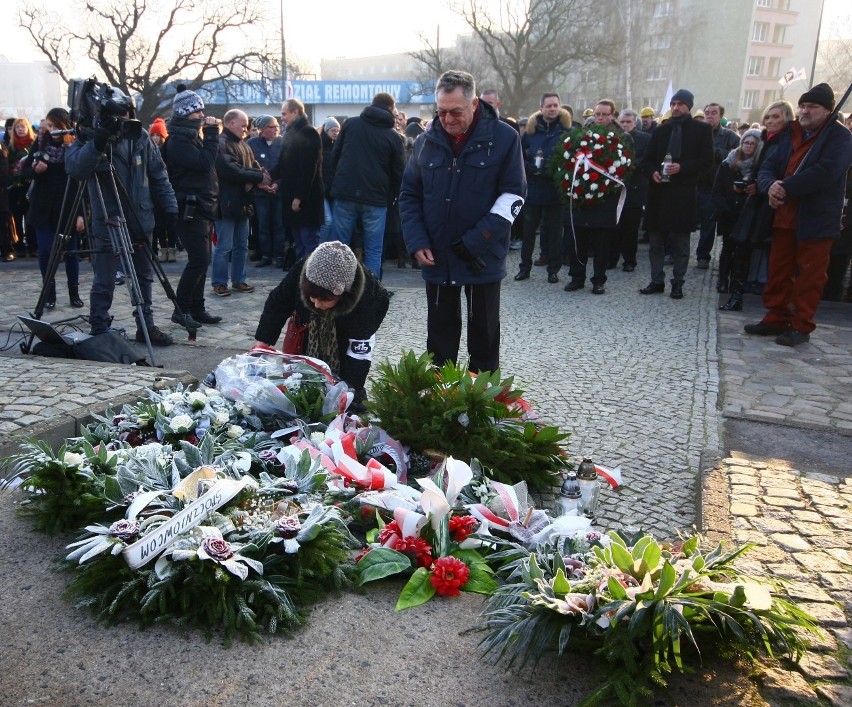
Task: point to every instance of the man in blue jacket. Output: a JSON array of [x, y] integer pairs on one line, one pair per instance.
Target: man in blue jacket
[[805, 178], [462, 189]]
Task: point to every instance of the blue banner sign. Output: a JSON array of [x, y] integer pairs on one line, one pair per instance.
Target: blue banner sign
[[267, 92]]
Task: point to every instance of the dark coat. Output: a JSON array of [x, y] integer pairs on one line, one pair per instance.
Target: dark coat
[[673, 206], [445, 199], [727, 202], [637, 187], [5, 179], [544, 136], [724, 141], [237, 175], [139, 167], [359, 314], [368, 159], [300, 171], [48, 191], [191, 161], [327, 164], [819, 183]]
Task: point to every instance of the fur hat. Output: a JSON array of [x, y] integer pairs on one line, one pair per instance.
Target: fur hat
[[683, 96], [646, 112], [822, 94], [330, 122], [262, 121], [158, 127], [186, 102], [332, 266]]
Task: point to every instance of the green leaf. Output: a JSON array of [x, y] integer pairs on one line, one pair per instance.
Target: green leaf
[[622, 558], [381, 562], [560, 584], [417, 591], [651, 556], [480, 581], [667, 580], [469, 556], [615, 588]]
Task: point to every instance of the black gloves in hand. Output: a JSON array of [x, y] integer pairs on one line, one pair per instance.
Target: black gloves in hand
[[474, 263], [101, 139]]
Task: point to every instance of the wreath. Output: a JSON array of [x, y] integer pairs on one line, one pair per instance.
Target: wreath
[[592, 165]]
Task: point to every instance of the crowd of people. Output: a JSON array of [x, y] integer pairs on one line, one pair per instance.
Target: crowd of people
[[450, 197]]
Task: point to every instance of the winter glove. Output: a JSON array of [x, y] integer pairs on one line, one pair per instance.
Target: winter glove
[[102, 136], [170, 221], [474, 263]]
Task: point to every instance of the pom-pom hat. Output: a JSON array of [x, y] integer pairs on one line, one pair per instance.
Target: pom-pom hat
[[158, 127], [332, 266], [186, 102]]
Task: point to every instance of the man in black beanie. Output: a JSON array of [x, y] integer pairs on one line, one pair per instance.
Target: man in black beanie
[[680, 150], [805, 178]]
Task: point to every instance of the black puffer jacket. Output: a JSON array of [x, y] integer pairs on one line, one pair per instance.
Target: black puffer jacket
[[368, 159], [237, 175], [359, 314], [191, 162]]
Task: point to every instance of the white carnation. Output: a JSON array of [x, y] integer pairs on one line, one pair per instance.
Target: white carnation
[[221, 418], [73, 459], [235, 431], [182, 422]]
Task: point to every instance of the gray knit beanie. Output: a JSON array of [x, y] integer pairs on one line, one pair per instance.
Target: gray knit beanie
[[262, 121], [332, 266], [330, 122], [186, 102]]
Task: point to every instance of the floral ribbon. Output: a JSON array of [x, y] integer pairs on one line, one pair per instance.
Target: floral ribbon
[[611, 476]]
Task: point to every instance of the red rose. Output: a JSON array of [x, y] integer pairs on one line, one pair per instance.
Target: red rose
[[462, 526], [594, 177]]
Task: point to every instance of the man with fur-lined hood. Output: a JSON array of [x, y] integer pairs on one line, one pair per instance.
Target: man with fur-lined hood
[[544, 205]]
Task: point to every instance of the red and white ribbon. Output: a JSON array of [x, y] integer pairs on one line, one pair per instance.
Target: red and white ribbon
[[589, 164], [612, 476]]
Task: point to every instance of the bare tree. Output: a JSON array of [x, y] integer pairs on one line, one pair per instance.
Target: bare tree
[[142, 47], [530, 44], [434, 59], [834, 56]]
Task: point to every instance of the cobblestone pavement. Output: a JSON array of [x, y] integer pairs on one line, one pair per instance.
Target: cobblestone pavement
[[644, 383]]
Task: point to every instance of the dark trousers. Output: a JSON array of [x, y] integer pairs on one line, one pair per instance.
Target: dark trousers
[[549, 217], [679, 245], [195, 237], [626, 238], [798, 271], [707, 221], [444, 324], [586, 242], [44, 239]]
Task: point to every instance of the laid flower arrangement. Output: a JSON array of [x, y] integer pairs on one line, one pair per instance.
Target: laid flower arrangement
[[638, 603], [449, 411], [594, 162]]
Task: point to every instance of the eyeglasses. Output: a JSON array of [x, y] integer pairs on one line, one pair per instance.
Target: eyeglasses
[[455, 112]]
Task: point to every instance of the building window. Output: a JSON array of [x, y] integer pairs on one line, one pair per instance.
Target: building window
[[760, 32], [774, 68], [750, 99], [660, 41], [770, 97], [656, 73], [663, 8], [764, 3], [755, 66], [780, 33]]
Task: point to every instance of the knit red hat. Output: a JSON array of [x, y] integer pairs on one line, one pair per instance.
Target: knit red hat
[[158, 127]]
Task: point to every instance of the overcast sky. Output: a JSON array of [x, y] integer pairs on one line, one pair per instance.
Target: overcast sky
[[340, 28]]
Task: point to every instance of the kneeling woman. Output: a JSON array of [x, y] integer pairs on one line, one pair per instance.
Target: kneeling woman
[[343, 305]]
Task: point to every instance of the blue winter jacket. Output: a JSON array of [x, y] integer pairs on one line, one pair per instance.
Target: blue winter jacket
[[542, 136], [445, 199], [819, 182], [138, 167]]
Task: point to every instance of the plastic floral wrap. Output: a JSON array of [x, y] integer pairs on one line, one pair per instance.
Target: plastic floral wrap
[[273, 383]]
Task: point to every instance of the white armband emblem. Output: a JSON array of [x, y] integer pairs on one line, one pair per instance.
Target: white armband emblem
[[508, 206], [362, 349]]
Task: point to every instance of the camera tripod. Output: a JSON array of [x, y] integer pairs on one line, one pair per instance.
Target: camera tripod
[[121, 245]]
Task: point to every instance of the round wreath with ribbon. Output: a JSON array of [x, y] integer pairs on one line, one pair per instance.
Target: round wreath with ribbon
[[592, 164]]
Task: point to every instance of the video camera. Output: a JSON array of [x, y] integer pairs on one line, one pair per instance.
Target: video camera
[[99, 106]]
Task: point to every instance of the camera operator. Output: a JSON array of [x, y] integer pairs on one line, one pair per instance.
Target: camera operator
[[140, 176], [192, 169]]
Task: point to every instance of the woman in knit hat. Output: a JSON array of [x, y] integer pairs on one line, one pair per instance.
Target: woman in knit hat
[[164, 241], [343, 304]]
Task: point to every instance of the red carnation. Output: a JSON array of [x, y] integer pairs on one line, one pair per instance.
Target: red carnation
[[462, 526], [418, 547], [594, 176], [388, 532], [448, 575]]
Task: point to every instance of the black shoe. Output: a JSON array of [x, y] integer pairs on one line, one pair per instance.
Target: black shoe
[[734, 303], [552, 278], [541, 260], [792, 337], [77, 303], [205, 317], [627, 268], [263, 263], [653, 288], [158, 338], [185, 320], [761, 329], [522, 275], [574, 285], [50, 304], [598, 290], [677, 290]]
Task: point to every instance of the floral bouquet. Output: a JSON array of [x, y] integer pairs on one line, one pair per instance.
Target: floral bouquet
[[593, 164], [434, 547], [276, 383], [639, 603]]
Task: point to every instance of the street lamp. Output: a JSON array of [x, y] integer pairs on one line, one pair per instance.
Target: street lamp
[[283, 58]]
